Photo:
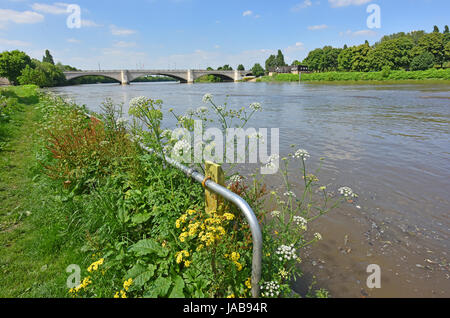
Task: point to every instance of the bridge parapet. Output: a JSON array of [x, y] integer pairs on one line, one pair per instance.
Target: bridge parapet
[[184, 76]]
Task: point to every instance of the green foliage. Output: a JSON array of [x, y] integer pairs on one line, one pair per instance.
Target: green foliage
[[275, 61], [258, 70], [325, 59], [422, 62], [42, 74], [226, 67], [386, 75], [12, 63], [48, 58], [241, 67]]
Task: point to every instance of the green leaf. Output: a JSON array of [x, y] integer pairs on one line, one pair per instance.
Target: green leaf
[[177, 290], [148, 246], [141, 274], [159, 288], [140, 218]]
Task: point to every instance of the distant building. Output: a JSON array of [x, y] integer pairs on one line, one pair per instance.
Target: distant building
[[4, 81], [293, 69]]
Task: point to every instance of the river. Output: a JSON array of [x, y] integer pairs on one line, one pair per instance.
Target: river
[[388, 142]]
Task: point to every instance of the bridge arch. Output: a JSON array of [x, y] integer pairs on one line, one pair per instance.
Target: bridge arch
[[224, 77], [115, 77], [132, 77]]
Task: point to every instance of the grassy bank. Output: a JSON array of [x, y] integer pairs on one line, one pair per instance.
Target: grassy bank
[[77, 193], [431, 74]]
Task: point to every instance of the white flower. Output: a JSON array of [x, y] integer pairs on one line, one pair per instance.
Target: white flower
[[347, 192], [167, 133], [236, 178], [301, 222], [121, 121], [272, 162], [181, 145], [275, 213], [138, 101], [301, 154], [286, 251], [270, 289], [255, 107], [290, 194], [207, 98], [202, 110], [317, 236]]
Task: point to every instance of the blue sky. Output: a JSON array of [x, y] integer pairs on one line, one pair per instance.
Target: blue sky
[[199, 33]]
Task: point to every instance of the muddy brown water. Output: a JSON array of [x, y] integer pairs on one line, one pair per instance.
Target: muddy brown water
[[388, 142]]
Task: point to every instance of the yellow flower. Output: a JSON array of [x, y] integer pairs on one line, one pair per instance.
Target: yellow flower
[[187, 263], [116, 295], [123, 294], [231, 296], [238, 265], [235, 256], [228, 216], [190, 212], [127, 284], [248, 283], [94, 266], [183, 236]]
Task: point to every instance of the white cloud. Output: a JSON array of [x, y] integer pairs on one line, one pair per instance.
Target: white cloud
[[247, 13], [89, 24], [56, 8], [318, 27], [24, 17], [123, 44], [345, 3], [359, 33], [72, 40], [302, 5], [120, 31], [12, 43]]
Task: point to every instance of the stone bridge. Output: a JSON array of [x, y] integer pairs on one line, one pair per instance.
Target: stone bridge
[[184, 76]]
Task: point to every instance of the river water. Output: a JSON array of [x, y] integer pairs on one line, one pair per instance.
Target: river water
[[388, 142]]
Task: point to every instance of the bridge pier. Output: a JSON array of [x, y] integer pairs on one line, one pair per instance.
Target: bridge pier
[[124, 78], [190, 77]]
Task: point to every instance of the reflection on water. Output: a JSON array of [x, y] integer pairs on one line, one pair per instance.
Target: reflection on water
[[390, 143]]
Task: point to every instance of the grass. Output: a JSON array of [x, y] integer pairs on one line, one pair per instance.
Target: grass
[[28, 265], [432, 74]]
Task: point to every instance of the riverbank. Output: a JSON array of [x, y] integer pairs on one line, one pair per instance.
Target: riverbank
[[79, 197], [366, 77]]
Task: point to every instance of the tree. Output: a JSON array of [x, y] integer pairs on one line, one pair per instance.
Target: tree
[[280, 59], [433, 43], [296, 62], [435, 29], [48, 58], [257, 70], [226, 67], [394, 53], [345, 59], [209, 68], [422, 62], [446, 30], [12, 63], [42, 74], [241, 67]]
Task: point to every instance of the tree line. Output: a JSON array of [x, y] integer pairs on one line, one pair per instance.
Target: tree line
[[416, 50]]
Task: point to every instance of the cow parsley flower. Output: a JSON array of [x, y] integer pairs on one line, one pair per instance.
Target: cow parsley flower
[[138, 101], [317, 236], [272, 163], [121, 121], [290, 194], [301, 222], [256, 107], [270, 289], [275, 213], [207, 98], [347, 192], [286, 251], [301, 154]]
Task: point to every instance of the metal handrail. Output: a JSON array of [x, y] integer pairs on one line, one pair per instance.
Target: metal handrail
[[240, 203]]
